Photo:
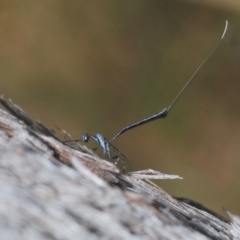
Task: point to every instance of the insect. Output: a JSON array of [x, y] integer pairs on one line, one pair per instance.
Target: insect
[[107, 146]]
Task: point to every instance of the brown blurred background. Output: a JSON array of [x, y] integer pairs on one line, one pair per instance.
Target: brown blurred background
[[96, 66]]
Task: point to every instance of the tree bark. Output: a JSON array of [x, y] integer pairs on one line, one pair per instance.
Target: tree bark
[[49, 190]]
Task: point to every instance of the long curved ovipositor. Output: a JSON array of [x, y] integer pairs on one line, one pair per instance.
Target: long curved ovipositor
[[227, 32]]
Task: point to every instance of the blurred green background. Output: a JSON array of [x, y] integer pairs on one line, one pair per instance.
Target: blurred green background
[[96, 66]]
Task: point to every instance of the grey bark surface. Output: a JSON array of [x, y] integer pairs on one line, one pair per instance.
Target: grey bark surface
[[49, 190]]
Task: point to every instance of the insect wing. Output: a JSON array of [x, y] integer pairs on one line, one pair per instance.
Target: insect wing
[[120, 154]]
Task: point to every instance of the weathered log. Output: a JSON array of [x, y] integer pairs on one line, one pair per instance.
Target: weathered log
[[49, 190]]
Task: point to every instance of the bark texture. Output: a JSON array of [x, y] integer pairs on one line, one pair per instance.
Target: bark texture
[[49, 190]]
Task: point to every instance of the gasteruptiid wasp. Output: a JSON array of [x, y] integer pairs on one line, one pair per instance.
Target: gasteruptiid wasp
[[107, 146]]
